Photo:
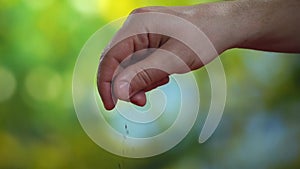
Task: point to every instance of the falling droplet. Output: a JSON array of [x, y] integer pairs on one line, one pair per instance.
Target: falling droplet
[[126, 129]]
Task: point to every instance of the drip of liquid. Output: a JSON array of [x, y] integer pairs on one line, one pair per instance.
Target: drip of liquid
[[125, 135]]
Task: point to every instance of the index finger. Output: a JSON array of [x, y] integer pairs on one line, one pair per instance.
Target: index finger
[[109, 62]]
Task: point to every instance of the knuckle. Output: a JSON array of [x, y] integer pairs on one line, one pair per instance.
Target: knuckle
[[142, 80], [141, 41], [145, 77], [140, 10], [194, 62]]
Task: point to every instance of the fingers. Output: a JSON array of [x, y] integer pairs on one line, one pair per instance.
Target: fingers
[[116, 55], [121, 55], [152, 71], [141, 72], [140, 98], [135, 79], [108, 65], [157, 84]]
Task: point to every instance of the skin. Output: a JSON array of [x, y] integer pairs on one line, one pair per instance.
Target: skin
[[269, 25]]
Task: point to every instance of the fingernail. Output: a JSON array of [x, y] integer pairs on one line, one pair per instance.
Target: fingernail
[[123, 92]]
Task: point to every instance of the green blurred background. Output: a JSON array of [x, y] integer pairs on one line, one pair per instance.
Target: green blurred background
[[39, 44]]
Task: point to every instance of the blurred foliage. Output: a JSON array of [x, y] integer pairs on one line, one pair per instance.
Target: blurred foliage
[[39, 44]]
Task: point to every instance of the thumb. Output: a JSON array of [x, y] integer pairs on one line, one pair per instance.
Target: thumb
[[148, 72]]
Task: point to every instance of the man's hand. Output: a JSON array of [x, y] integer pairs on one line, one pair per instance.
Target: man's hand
[[122, 71], [132, 66]]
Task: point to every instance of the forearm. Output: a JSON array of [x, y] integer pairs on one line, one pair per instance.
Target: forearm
[[271, 25]]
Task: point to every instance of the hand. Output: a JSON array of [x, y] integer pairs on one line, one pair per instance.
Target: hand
[[130, 67]]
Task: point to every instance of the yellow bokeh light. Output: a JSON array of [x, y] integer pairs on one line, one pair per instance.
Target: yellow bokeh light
[[43, 84], [85, 7], [111, 10], [37, 4]]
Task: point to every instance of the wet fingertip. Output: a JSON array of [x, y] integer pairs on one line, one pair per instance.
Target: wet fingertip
[[139, 99], [109, 106]]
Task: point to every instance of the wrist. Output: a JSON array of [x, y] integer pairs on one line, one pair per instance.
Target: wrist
[[251, 21], [243, 23], [269, 25], [225, 24]]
